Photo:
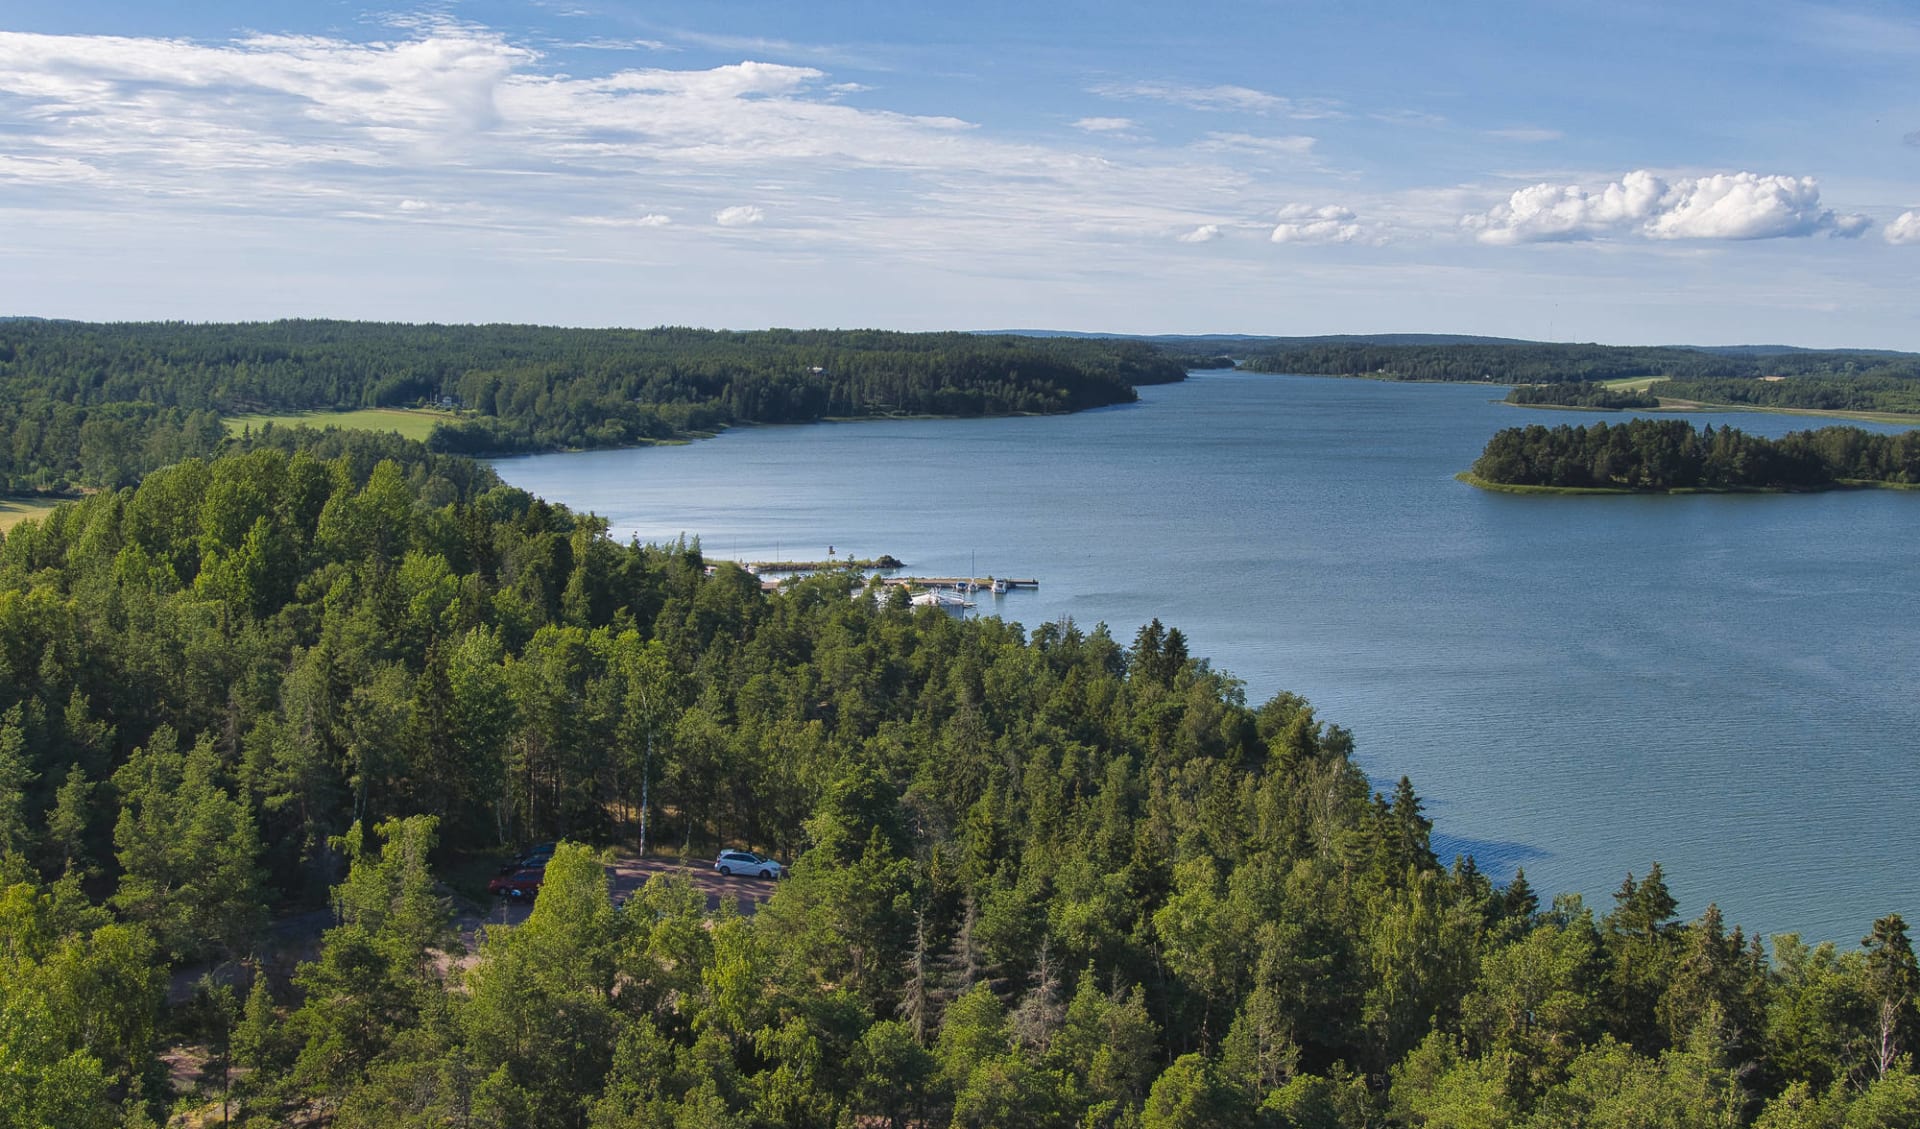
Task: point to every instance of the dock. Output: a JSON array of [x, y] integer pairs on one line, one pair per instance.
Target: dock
[[884, 561], [958, 583]]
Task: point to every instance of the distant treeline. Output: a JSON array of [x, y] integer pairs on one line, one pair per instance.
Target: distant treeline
[[1539, 363], [1859, 394], [540, 388], [1661, 455], [1582, 394]]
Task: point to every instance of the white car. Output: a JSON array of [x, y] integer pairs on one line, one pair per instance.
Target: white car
[[746, 862]]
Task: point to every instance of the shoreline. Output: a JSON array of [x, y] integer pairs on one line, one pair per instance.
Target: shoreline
[[1493, 487], [1690, 406]]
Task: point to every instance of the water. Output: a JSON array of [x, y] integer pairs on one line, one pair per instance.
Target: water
[[1578, 686]]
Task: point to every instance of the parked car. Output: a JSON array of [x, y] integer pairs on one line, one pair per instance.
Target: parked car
[[537, 855], [746, 862], [524, 883]]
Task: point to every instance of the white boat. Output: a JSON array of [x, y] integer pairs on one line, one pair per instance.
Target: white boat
[[999, 585], [949, 602]]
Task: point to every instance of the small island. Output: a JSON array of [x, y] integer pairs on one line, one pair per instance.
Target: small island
[[1663, 456]]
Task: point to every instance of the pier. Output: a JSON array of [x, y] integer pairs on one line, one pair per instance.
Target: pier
[[958, 583], [883, 561]]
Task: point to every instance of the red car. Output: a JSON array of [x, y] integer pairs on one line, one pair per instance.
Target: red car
[[519, 884]]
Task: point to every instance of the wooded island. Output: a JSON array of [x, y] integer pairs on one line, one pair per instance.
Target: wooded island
[[1668, 455]]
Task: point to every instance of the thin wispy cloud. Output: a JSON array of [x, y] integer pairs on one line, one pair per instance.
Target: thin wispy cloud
[[1526, 135], [1291, 146], [831, 54], [651, 219], [1221, 99]]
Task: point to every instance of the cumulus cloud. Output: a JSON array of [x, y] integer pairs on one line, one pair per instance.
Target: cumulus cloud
[[740, 215], [1205, 233], [1330, 223], [1905, 228], [1105, 125], [1740, 205]]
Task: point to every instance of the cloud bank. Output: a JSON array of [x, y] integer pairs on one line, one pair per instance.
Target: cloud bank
[[1725, 206]]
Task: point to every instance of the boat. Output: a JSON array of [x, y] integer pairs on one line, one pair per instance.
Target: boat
[[952, 604], [999, 585]]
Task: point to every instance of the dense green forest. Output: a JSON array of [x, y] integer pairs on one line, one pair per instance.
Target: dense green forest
[[1543, 363], [1662, 455], [1039, 877], [121, 387], [1858, 394], [1580, 394]]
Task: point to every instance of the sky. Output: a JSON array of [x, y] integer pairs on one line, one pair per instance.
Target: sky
[[1631, 173]]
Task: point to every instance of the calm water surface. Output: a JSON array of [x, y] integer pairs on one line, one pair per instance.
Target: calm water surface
[[1578, 686]]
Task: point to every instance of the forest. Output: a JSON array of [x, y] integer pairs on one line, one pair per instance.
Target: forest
[[1544, 363], [1669, 454], [1039, 877], [1858, 394], [139, 395], [1580, 394]]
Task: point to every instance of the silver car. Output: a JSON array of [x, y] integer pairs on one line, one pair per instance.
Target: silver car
[[731, 863]]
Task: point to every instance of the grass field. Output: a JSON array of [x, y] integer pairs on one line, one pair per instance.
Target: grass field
[[13, 511], [1631, 383], [409, 423]]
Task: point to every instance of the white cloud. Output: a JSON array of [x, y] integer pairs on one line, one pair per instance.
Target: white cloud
[[284, 127], [1205, 233], [1330, 223], [1294, 146], [651, 219], [1723, 206], [740, 215], [1221, 99], [1105, 125], [1904, 229], [1526, 135]]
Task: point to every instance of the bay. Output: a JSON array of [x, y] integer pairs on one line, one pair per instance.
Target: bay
[[1576, 686]]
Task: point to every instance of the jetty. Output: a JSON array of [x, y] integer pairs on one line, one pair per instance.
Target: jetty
[[958, 583], [883, 561]]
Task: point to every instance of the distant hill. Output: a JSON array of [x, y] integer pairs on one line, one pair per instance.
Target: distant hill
[[1267, 340], [1778, 350], [1249, 342]]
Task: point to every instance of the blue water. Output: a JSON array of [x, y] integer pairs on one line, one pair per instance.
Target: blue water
[[1578, 686]]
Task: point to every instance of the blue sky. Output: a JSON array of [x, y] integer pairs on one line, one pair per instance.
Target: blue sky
[[1632, 172]]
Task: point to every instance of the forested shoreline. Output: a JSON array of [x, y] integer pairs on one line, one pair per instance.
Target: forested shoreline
[[97, 405], [1580, 394], [1663, 455], [1553, 363], [1039, 877]]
